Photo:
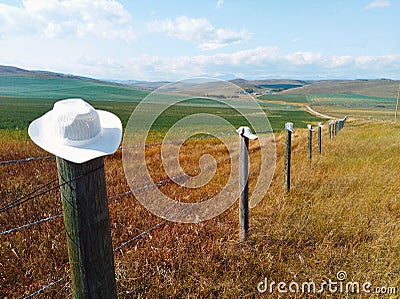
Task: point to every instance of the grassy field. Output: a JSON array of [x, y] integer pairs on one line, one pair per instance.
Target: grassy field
[[24, 98], [338, 105], [355, 106], [342, 214]]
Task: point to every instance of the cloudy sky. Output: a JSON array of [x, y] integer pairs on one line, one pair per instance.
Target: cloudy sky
[[169, 40]]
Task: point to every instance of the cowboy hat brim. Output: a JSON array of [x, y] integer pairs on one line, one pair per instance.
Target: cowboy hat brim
[[107, 141]]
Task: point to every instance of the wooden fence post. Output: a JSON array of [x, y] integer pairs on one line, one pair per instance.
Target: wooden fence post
[[289, 131], [397, 104], [245, 134], [330, 129], [336, 127], [320, 138], [310, 130], [244, 186], [86, 218]]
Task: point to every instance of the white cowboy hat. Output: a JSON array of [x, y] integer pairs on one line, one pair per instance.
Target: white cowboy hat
[[246, 132], [76, 132]]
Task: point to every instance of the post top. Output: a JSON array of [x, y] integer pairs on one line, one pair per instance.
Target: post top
[[310, 128], [246, 132], [289, 127]]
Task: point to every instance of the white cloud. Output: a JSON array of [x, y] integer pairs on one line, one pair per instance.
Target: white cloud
[[303, 58], [199, 30], [93, 60], [378, 4], [219, 3], [184, 28], [259, 62], [106, 19]]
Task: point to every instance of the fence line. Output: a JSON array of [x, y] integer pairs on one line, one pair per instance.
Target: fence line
[[143, 233], [29, 197], [47, 219]]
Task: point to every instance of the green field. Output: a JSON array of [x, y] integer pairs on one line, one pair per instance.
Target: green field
[[290, 98], [24, 98]]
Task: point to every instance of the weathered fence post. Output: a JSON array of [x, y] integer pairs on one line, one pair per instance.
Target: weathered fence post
[[337, 127], [310, 130], [334, 128], [330, 129], [397, 104], [87, 224], [79, 136], [289, 131], [320, 138], [245, 134]]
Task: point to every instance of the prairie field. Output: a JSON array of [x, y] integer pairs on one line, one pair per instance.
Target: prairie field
[[342, 214]]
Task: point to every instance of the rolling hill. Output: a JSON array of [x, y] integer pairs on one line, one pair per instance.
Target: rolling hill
[[383, 88]]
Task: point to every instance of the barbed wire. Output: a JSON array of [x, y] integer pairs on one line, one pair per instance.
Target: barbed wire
[[30, 196], [158, 183], [15, 229], [116, 249], [44, 288], [143, 233], [121, 147], [27, 197], [29, 159]]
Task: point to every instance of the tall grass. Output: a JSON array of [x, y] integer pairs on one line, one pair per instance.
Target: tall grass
[[342, 213]]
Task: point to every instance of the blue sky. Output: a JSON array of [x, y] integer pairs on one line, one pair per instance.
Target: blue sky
[[170, 40]]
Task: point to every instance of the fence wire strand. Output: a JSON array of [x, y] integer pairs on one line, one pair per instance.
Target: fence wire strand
[[46, 287], [47, 219], [27, 197], [30, 196], [29, 159]]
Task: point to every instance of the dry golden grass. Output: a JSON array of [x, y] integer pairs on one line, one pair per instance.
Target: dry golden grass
[[342, 213]]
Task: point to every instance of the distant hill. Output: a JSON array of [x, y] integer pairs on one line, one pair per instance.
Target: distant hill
[[19, 84], [12, 70], [220, 87], [148, 85], [384, 88]]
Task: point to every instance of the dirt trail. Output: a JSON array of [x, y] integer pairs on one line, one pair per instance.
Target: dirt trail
[[312, 111]]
